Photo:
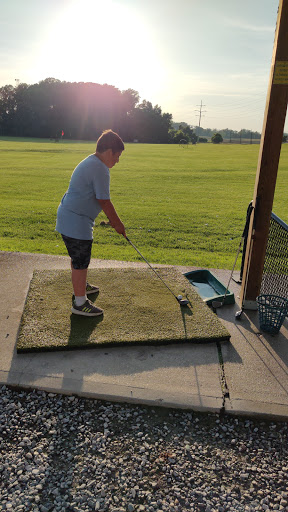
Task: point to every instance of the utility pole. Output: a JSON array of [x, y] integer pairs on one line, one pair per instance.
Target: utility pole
[[268, 160], [200, 112]]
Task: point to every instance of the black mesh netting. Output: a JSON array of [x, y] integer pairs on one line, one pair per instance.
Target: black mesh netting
[[275, 273]]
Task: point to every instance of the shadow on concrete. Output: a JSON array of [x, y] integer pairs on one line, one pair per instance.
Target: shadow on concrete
[[274, 346], [262, 375]]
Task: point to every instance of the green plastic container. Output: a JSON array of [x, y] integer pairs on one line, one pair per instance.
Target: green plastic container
[[272, 310], [209, 287]]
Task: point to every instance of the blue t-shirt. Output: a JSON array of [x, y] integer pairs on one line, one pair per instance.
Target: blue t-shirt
[[79, 206]]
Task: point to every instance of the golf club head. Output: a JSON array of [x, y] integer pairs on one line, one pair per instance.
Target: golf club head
[[183, 302]]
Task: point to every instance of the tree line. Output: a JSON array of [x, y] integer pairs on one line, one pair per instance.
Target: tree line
[[81, 111], [229, 134]]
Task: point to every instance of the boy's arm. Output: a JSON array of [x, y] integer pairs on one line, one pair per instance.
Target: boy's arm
[[110, 212]]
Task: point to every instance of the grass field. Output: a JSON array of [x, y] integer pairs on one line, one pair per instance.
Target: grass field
[[182, 206]]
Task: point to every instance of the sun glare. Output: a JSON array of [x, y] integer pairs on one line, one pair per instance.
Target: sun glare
[[102, 42]]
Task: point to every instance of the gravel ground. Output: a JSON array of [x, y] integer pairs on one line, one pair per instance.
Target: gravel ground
[[62, 453]]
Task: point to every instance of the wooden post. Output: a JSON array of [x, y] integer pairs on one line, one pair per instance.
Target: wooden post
[[268, 160]]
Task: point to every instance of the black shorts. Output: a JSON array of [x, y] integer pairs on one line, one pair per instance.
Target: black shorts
[[79, 251]]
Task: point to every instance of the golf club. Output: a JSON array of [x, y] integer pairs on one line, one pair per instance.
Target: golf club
[[250, 209], [219, 303], [180, 300]]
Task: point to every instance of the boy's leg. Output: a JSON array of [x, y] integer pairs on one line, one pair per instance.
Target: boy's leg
[[77, 282], [80, 254], [79, 279]]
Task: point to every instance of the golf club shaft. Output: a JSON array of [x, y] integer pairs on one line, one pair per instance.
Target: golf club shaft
[[128, 240], [239, 248]]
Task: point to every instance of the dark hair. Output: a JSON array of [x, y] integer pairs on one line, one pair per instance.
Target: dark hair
[[109, 140]]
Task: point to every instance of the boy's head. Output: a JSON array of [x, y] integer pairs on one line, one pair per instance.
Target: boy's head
[[109, 140]]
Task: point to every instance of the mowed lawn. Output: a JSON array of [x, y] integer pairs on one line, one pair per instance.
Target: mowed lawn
[[182, 206]]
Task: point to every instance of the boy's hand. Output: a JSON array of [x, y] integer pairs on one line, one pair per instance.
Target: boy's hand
[[120, 228], [111, 213]]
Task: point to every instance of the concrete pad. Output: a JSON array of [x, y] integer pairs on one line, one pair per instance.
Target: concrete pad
[[254, 369], [149, 374], [170, 376]]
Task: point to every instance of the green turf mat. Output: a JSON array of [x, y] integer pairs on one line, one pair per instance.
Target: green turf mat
[[138, 308]]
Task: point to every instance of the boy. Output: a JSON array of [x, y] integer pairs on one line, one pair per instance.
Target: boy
[[87, 195]]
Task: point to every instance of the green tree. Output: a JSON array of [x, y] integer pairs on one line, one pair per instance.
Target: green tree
[[188, 132], [217, 138], [7, 109], [130, 99], [179, 137], [148, 124]]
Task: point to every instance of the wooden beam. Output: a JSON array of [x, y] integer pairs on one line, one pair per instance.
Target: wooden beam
[[268, 161]]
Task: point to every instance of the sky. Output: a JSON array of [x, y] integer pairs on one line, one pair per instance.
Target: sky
[[178, 54]]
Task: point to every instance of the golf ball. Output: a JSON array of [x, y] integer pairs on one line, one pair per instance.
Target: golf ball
[[179, 297]]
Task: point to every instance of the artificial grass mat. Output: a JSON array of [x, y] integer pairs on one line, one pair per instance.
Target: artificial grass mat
[[138, 308]]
